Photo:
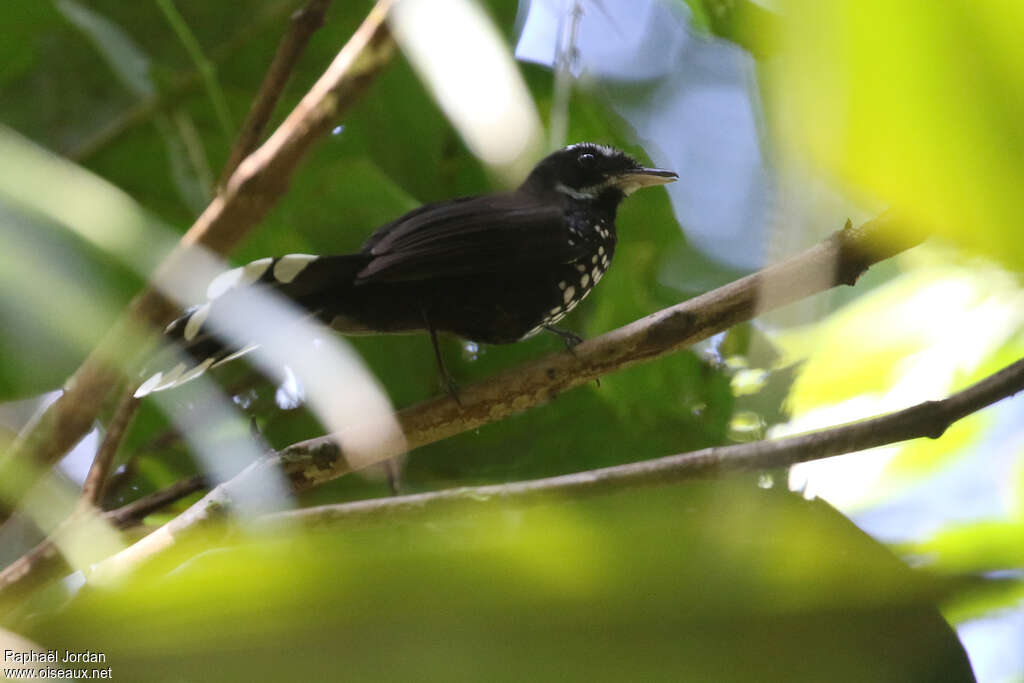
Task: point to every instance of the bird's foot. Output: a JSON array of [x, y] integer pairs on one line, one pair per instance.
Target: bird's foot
[[571, 339], [451, 387]]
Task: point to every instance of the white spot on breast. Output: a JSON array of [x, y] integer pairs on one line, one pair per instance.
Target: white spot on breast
[[288, 267], [593, 259], [580, 267], [239, 277], [596, 273], [195, 321], [568, 294], [604, 261], [563, 284], [584, 281], [555, 311], [600, 250]]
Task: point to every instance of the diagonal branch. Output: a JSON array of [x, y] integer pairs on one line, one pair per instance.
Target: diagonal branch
[[260, 180], [96, 480], [929, 419], [841, 259], [45, 562], [303, 24]]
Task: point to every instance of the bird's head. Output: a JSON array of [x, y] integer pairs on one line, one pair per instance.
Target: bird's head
[[590, 172]]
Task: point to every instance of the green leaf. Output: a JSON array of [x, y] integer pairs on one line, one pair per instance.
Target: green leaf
[[913, 104], [710, 581]]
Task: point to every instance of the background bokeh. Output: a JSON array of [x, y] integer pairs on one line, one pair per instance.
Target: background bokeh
[[783, 119]]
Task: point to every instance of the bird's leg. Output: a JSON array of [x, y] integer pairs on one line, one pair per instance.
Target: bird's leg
[[447, 380], [571, 339]]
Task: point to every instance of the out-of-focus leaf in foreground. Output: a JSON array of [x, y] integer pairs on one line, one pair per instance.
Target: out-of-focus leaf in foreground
[[705, 581], [916, 104]]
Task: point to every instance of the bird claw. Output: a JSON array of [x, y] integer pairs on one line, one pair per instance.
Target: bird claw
[[570, 339], [451, 387]]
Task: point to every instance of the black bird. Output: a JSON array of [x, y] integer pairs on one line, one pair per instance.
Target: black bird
[[493, 268]]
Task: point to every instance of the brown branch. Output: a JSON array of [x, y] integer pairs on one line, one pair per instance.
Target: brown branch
[[304, 23], [255, 186], [45, 562], [839, 260], [929, 419], [135, 511], [96, 479]]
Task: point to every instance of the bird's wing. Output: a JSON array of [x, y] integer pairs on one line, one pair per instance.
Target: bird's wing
[[468, 236]]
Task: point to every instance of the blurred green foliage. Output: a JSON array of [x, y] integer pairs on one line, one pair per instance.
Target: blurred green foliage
[[599, 589], [914, 104], [395, 151], [719, 581]]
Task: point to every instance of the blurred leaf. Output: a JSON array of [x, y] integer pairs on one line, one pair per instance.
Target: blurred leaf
[[917, 104], [124, 57], [708, 581], [924, 455], [932, 323], [744, 22], [976, 547], [994, 596], [61, 296], [203, 66]]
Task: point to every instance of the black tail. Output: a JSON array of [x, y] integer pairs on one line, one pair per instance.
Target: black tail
[[312, 282]]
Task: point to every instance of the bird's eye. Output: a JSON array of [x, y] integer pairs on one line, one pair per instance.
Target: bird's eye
[[587, 160]]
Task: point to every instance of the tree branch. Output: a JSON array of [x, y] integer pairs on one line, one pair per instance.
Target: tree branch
[[841, 259], [96, 479], [929, 419], [255, 186], [45, 562], [303, 24]]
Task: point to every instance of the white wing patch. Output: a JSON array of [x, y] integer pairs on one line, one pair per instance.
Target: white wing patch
[[288, 267], [195, 321], [237, 354], [239, 277]]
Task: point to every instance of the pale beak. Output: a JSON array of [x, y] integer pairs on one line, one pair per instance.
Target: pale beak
[[632, 180]]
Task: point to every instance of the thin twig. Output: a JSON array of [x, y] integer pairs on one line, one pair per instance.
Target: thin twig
[[929, 419], [839, 260], [45, 562], [303, 24], [135, 511], [255, 186], [96, 479]]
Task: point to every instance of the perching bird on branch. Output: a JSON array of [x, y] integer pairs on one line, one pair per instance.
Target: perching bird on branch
[[493, 268]]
